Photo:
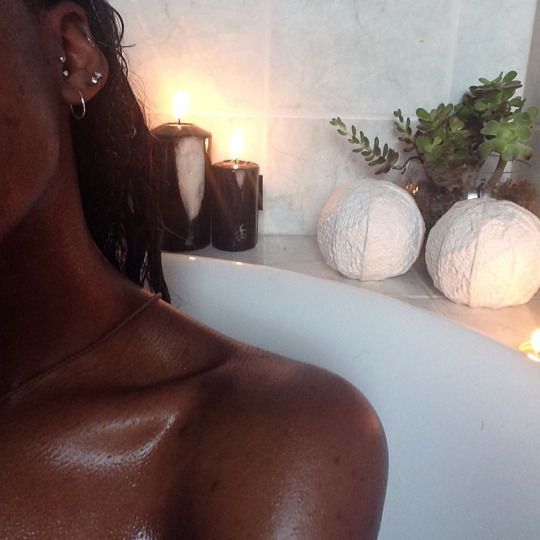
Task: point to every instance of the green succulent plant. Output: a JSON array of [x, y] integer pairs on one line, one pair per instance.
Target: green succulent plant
[[509, 137], [454, 141]]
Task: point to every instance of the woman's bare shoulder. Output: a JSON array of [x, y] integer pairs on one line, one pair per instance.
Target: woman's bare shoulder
[[272, 447], [286, 450]]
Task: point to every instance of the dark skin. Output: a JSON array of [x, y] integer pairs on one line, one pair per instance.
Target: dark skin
[[166, 430]]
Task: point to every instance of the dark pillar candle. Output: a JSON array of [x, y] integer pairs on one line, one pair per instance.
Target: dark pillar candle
[[236, 203], [186, 197]]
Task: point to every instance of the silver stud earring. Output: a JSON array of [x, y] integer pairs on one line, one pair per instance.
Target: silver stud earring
[[65, 72], [96, 78]]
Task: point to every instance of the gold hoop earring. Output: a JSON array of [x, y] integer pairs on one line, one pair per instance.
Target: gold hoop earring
[[79, 115]]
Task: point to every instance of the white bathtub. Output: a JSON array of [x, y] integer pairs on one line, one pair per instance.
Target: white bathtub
[[461, 412]]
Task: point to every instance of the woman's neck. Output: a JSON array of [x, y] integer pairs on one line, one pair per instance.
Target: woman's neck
[[57, 292]]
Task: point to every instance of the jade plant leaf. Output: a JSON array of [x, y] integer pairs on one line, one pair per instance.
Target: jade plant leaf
[[423, 115]]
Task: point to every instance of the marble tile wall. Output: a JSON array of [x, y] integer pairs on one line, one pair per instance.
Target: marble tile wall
[[280, 69], [532, 93]]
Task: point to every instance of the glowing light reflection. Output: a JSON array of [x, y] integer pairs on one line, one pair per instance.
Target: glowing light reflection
[[532, 347], [535, 341]]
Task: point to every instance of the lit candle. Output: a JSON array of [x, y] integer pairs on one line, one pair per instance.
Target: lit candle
[[237, 146], [181, 103], [532, 347], [186, 203], [236, 200]]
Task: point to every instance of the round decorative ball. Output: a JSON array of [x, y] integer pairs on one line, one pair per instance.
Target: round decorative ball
[[485, 253], [370, 230]]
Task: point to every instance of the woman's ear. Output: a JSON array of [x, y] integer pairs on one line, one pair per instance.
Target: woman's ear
[[81, 65]]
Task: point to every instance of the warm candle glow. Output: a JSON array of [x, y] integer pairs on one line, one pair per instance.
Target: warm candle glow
[[181, 103], [535, 341], [237, 144], [532, 347]]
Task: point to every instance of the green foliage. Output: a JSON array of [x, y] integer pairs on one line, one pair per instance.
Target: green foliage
[[510, 136], [488, 120], [442, 137], [492, 100], [384, 159]]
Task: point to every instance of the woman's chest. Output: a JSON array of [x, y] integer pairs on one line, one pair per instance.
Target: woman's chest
[[95, 469]]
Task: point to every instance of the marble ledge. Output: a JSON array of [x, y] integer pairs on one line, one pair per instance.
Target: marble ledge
[[509, 326]]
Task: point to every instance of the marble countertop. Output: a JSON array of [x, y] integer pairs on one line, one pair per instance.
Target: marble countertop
[[510, 326]]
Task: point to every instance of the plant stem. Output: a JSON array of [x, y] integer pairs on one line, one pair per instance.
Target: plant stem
[[403, 168], [497, 174]]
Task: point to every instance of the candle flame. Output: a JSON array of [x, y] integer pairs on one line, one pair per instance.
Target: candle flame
[[181, 103], [535, 341], [237, 144]]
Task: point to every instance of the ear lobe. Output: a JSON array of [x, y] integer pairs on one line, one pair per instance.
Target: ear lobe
[[86, 68]]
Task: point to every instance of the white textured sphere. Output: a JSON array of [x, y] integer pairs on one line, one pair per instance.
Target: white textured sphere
[[486, 253], [370, 230]]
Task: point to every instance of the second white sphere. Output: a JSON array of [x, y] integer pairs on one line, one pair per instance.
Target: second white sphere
[[485, 253]]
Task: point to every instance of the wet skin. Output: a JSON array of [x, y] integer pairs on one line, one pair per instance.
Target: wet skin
[[166, 430]]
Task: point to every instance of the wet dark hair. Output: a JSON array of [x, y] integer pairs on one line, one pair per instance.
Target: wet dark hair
[[115, 155]]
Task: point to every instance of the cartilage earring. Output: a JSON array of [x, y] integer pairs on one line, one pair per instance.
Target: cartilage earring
[[65, 72], [96, 78], [82, 114]]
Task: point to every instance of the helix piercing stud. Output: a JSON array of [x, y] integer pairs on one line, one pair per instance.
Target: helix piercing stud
[[96, 78], [65, 73]]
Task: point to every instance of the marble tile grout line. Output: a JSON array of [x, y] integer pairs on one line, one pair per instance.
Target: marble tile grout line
[[456, 20], [267, 51], [293, 116], [525, 77], [267, 66]]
